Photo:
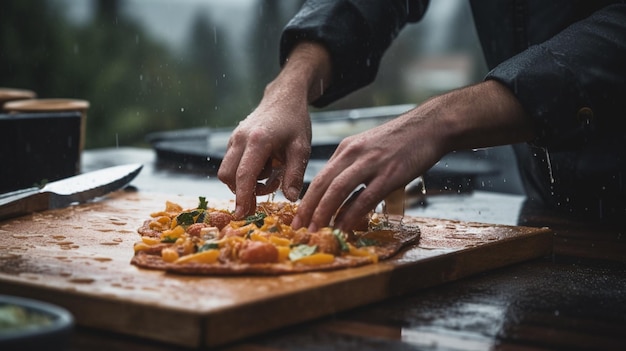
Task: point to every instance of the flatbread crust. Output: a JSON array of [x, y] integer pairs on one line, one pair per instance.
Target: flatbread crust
[[380, 244]]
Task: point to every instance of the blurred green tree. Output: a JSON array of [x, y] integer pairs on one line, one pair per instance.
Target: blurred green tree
[[134, 83]]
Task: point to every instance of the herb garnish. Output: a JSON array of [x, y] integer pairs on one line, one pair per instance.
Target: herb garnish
[[203, 205], [342, 240], [366, 242], [300, 251], [187, 218], [194, 216], [168, 239], [208, 246], [257, 219]]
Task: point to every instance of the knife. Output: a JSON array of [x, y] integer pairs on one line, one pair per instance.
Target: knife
[[62, 193]]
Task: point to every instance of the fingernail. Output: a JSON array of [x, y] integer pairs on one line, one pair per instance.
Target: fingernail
[[239, 212], [292, 193], [295, 223]]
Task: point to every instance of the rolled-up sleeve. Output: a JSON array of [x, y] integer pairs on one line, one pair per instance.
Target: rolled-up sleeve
[[356, 33], [574, 84]]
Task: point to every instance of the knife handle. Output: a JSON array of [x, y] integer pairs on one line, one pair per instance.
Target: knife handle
[[22, 202]]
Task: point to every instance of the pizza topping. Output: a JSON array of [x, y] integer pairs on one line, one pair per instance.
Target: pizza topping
[[218, 219], [210, 245], [341, 238], [195, 229], [316, 259], [325, 241], [256, 219], [210, 240], [210, 256], [300, 251], [169, 254], [365, 242], [258, 252]]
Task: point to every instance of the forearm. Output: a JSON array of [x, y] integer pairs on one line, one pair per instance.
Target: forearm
[[482, 115], [355, 32], [304, 76]]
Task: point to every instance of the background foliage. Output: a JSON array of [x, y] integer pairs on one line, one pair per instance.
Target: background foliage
[[137, 84]]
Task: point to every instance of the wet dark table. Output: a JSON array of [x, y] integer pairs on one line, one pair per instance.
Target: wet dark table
[[572, 299]]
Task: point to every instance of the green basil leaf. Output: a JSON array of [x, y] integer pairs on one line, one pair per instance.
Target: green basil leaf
[[203, 203], [366, 242], [301, 251], [201, 217], [208, 246], [169, 240], [256, 218], [187, 218], [249, 233], [341, 237]]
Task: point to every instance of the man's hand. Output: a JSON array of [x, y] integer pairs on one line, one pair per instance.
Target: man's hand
[[387, 157], [273, 144]]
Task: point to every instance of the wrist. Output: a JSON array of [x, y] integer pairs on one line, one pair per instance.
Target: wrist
[[305, 74]]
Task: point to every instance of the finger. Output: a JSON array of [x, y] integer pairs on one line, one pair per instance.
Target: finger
[[272, 182], [346, 204], [338, 191], [267, 170], [293, 177], [327, 192], [251, 165], [309, 202], [228, 167], [353, 212]]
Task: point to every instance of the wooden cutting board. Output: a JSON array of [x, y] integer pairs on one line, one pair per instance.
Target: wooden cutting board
[[79, 257]]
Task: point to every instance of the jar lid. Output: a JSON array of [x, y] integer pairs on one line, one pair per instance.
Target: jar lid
[[10, 94], [41, 105]]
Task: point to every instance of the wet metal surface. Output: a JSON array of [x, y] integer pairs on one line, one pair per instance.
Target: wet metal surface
[[550, 303]]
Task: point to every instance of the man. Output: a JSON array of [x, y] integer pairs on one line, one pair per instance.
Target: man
[[557, 83]]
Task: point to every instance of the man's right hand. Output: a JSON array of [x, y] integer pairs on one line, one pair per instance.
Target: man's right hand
[[271, 147]]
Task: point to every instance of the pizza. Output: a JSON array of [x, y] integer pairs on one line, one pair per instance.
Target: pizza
[[209, 241]]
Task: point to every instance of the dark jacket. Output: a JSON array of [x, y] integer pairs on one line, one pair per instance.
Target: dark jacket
[[565, 60]]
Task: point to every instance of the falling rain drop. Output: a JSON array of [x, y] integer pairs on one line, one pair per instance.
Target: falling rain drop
[[549, 166], [182, 109]]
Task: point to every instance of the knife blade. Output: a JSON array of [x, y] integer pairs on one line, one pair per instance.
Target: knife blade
[[64, 192]]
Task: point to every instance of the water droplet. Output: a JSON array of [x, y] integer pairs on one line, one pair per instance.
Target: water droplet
[[182, 109], [549, 166]]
